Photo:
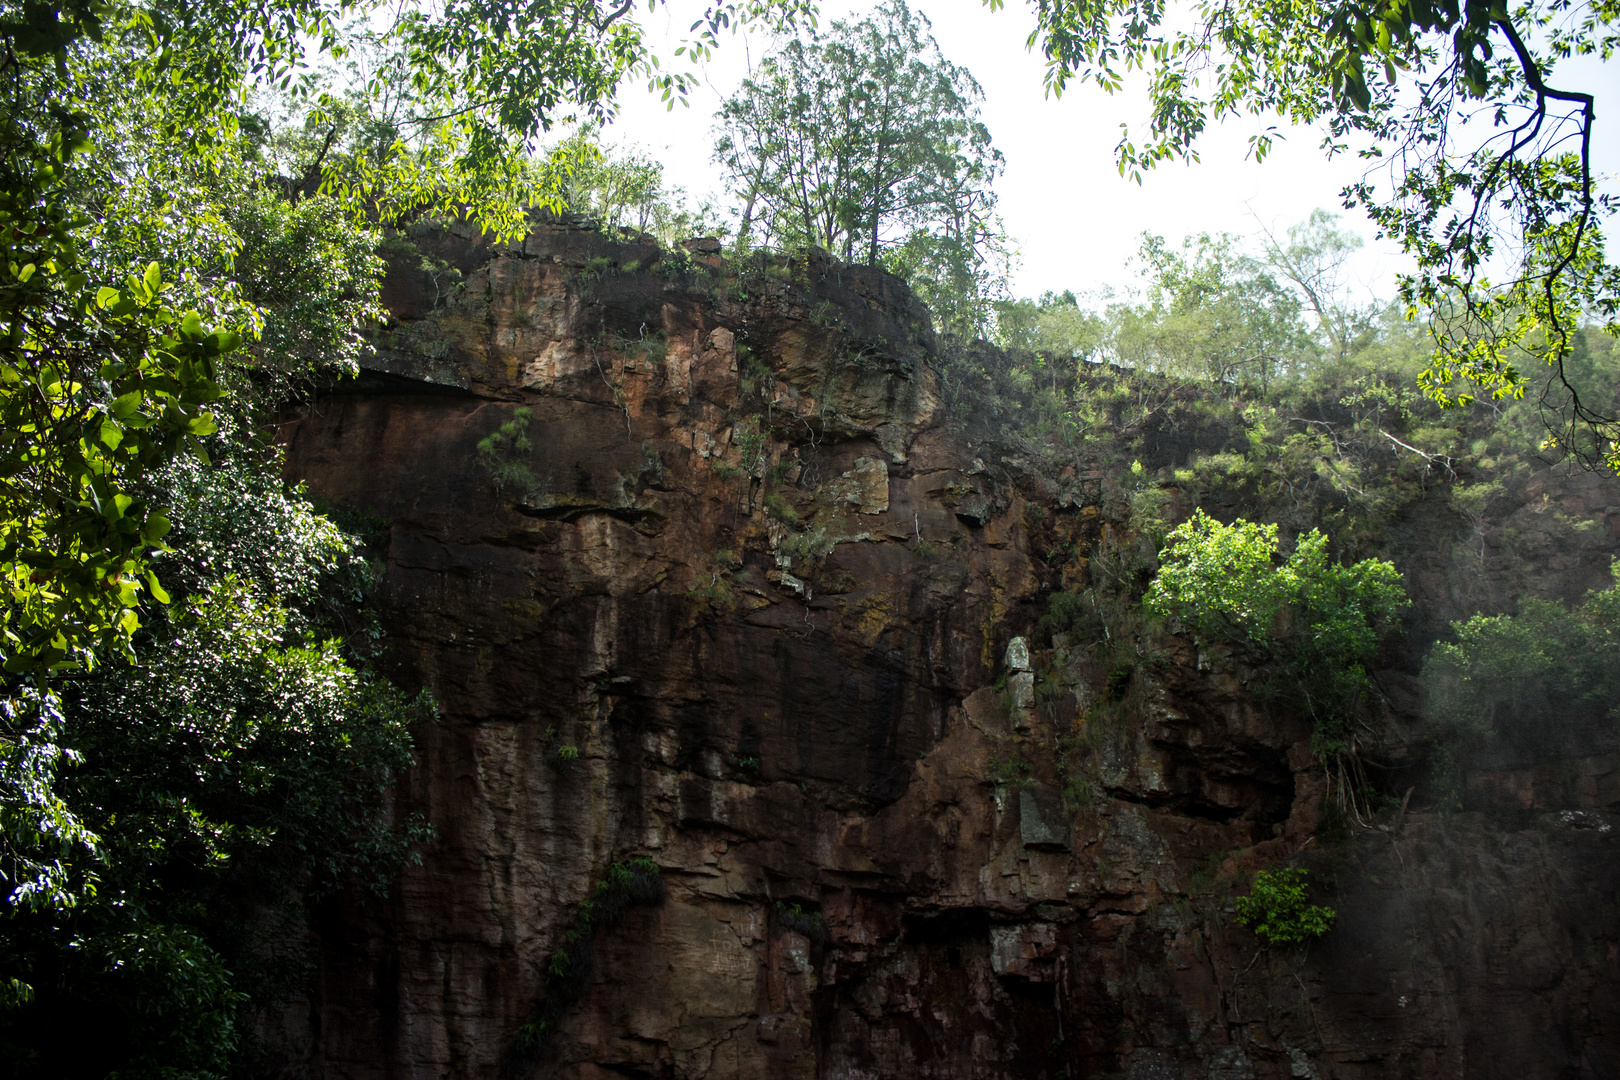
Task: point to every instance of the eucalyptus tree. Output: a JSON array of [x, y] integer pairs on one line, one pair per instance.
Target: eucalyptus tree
[[1055, 324], [1313, 260], [622, 189], [867, 142], [1214, 312], [1488, 175]]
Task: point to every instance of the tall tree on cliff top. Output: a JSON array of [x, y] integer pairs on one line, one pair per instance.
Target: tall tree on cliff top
[[867, 142], [1488, 162]]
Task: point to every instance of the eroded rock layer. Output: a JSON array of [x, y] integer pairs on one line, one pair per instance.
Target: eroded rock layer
[[701, 568]]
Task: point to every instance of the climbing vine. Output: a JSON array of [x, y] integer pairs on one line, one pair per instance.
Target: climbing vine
[[632, 883]]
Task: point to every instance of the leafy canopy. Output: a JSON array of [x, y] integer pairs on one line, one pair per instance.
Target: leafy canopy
[[118, 299], [867, 142], [1222, 582], [235, 775], [1501, 212]]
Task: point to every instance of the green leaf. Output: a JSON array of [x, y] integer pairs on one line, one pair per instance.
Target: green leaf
[[157, 590]]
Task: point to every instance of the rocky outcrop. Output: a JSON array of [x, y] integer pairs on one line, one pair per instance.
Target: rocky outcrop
[[698, 568]]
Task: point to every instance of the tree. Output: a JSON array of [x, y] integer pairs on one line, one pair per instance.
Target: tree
[[1533, 672], [1053, 324], [1323, 619], [236, 774], [1279, 911], [624, 188], [110, 355], [867, 143], [1401, 81], [124, 316], [1219, 313], [617, 190], [1313, 260]]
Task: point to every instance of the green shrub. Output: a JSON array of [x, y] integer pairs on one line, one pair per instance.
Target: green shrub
[[780, 509], [811, 544], [1321, 619], [1542, 664], [1278, 911]]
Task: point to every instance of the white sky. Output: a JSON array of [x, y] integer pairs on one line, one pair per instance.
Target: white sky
[[1074, 220]]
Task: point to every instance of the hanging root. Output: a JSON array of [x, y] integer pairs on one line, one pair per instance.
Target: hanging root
[[1347, 786]]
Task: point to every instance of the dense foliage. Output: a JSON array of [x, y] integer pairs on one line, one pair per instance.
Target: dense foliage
[[1549, 664], [235, 773], [1279, 910], [1323, 619]]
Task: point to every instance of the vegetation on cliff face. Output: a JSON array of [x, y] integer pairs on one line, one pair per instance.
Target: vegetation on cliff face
[[1548, 663], [633, 883], [1278, 910], [1250, 427], [1322, 620], [192, 749]]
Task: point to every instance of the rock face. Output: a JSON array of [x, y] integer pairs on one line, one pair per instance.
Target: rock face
[[698, 569]]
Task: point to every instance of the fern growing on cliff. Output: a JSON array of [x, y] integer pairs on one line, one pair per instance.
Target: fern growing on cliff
[[501, 451]]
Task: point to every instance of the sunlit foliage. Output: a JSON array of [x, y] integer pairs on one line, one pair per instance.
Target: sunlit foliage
[[1323, 618], [1279, 911]]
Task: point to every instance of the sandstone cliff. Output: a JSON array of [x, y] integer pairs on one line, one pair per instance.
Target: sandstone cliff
[[704, 568]]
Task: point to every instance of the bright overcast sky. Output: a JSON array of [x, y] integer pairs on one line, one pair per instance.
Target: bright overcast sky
[[1074, 219]]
